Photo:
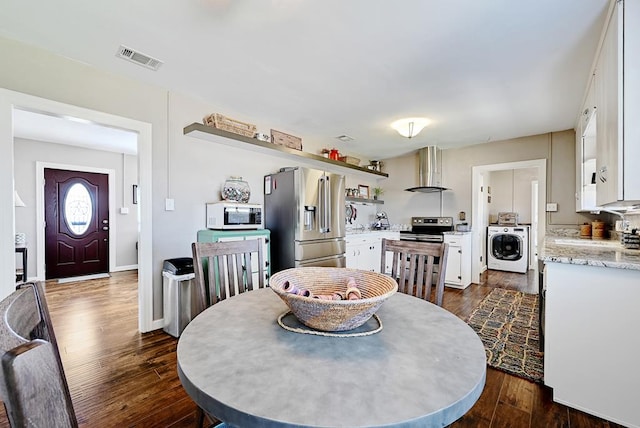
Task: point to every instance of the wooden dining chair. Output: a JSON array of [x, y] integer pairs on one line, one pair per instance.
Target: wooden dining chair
[[235, 264], [33, 385], [222, 270], [417, 266]]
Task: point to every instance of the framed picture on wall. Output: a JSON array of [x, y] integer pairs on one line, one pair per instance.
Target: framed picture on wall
[[363, 191]]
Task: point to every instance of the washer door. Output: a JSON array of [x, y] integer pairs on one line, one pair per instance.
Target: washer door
[[506, 246]]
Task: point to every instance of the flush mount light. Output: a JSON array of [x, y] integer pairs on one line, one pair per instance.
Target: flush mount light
[[411, 126]]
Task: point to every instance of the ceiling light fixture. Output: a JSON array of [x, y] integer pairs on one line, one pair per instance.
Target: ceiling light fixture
[[411, 126]]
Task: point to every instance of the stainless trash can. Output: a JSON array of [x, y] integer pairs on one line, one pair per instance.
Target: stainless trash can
[[179, 300]]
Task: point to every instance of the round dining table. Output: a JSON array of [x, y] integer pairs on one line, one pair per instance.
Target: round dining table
[[425, 368]]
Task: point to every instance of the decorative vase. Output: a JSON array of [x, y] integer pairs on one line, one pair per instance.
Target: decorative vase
[[236, 189]]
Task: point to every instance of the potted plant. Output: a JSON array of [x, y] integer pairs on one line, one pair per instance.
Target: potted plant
[[377, 191]]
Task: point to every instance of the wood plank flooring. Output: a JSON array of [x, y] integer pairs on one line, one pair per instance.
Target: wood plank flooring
[[119, 377]]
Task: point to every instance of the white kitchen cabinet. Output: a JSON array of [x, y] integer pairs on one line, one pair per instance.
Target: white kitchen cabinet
[[364, 250], [591, 349], [586, 129], [364, 255], [458, 273], [617, 83]]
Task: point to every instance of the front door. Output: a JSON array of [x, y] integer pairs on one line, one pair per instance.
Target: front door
[[76, 223]]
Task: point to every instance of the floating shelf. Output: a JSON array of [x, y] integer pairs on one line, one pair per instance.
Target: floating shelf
[[209, 133], [362, 200]]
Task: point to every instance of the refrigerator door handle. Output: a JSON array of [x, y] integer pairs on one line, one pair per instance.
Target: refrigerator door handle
[[321, 205], [327, 204], [324, 204]]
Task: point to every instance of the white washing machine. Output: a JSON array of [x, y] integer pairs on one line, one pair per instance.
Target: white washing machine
[[508, 248]]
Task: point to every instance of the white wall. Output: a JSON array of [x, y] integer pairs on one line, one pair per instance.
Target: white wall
[[558, 148], [28, 152], [511, 192]]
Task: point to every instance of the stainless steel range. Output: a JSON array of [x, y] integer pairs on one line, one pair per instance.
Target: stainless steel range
[[427, 229]]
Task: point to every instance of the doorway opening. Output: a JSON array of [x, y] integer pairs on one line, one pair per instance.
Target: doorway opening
[[481, 197], [10, 102]]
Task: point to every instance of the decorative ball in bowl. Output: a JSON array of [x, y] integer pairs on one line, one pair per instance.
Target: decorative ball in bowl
[[332, 299]]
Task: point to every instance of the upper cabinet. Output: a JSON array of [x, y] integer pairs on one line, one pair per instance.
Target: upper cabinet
[[586, 130], [617, 85]]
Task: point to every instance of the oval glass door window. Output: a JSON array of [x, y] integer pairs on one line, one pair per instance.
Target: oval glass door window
[[78, 209]]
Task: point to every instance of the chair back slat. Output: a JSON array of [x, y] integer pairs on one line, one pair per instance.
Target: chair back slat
[[414, 267], [248, 284], [229, 270]]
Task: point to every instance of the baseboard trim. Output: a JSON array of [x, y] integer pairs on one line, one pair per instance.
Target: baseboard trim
[[83, 278], [123, 268]]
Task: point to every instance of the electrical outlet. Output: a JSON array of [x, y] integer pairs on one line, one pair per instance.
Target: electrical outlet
[[552, 207], [169, 204], [124, 210]]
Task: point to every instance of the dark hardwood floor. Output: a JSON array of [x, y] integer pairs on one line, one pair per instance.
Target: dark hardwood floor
[[119, 377]]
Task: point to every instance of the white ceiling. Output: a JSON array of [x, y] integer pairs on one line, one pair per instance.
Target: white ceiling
[[481, 70], [73, 131]]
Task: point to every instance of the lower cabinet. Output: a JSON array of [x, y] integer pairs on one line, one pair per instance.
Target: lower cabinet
[[365, 249], [591, 346], [458, 274]]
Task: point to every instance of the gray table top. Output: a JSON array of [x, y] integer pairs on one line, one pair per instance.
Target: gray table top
[[425, 368]]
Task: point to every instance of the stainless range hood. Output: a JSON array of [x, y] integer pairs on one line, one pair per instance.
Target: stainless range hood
[[429, 173]]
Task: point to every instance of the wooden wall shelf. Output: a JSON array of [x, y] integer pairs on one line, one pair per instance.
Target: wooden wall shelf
[[209, 133], [362, 200]]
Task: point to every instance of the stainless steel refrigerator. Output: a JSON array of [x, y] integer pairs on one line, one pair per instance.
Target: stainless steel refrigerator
[[304, 210]]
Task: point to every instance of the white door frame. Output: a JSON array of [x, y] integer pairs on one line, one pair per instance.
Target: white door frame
[[40, 214], [9, 100], [478, 232]]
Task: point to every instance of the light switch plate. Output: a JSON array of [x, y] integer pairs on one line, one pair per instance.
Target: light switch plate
[[124, 210], [552, 207], [169, 204]]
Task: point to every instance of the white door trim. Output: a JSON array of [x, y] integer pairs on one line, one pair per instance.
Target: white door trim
[[479, 232], [40, 237], [10, 100]]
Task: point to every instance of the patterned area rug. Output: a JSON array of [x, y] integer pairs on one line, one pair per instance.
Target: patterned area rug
[[507, 323]]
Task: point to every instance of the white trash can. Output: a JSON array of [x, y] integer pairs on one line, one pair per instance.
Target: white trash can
[[179, 300]]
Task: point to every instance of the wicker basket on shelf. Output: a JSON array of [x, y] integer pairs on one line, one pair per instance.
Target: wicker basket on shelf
[[332, 315], [350, 160], [225, 123]]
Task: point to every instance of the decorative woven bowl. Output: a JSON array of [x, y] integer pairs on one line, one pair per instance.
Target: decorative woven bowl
[[332, 315]]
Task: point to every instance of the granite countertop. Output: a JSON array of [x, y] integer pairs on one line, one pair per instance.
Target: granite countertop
[[356, 231], [603, 253]]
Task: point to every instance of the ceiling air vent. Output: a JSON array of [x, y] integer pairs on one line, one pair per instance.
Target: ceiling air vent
[[345, 138], [138, 58]]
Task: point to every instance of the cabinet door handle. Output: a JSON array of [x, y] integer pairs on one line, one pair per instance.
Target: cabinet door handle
[[602, 174]]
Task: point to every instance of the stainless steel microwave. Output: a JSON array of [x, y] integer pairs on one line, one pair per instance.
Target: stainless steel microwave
[[234, 215]]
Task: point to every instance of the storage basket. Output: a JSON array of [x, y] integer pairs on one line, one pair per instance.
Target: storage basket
[[287, 140], [332, 315], [350, 160], [225, 123]]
